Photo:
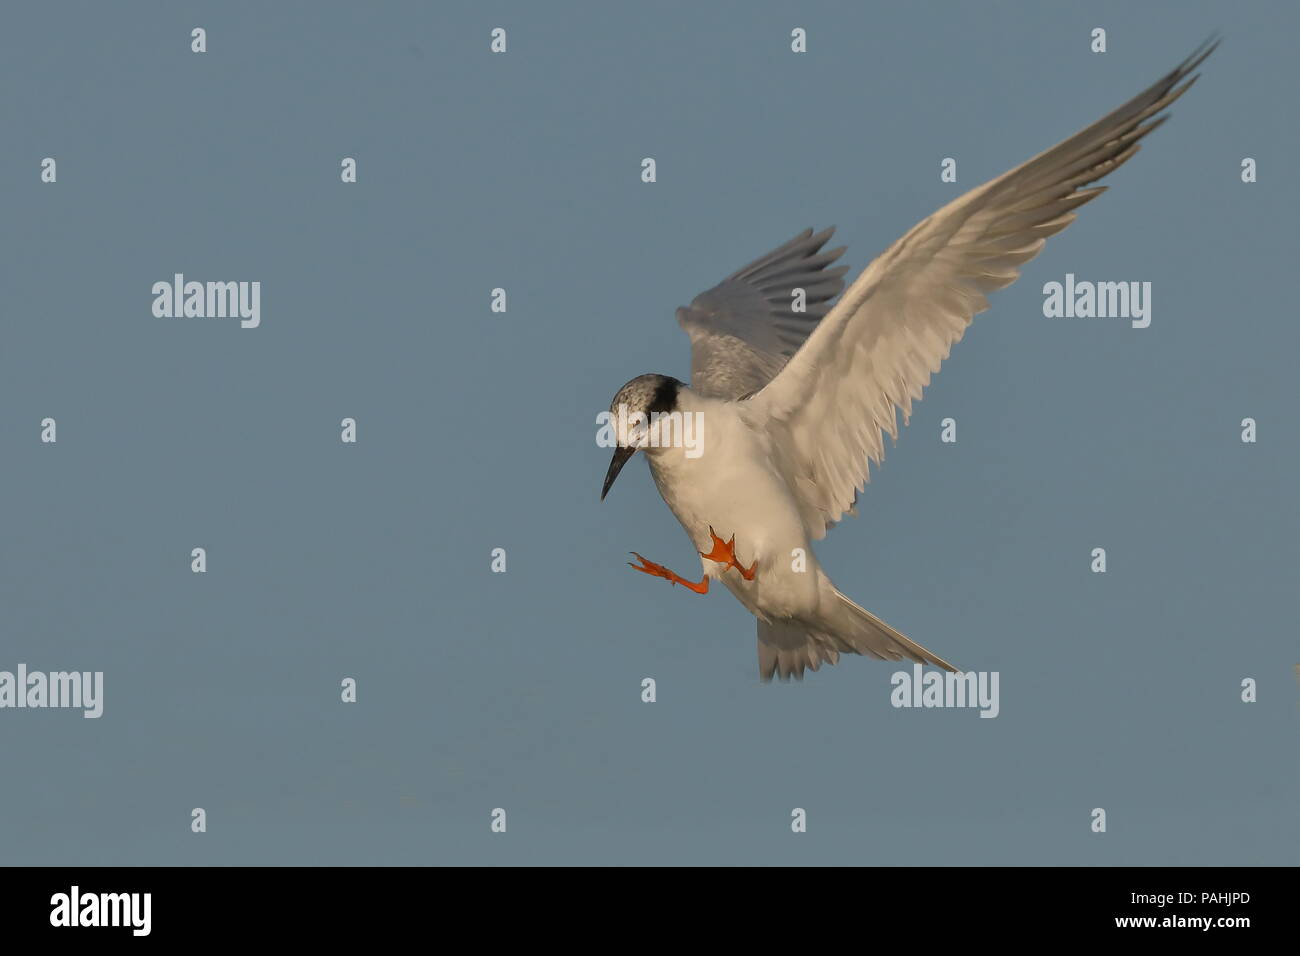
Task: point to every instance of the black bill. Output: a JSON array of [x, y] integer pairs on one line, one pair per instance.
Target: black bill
[[621, 455]]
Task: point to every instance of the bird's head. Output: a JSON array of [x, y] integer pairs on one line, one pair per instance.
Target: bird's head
[[631, 414]]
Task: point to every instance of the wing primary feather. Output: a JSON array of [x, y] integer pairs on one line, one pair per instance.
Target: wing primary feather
[[871, 356]]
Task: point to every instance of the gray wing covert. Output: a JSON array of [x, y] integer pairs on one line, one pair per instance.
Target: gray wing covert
[[745, 329]]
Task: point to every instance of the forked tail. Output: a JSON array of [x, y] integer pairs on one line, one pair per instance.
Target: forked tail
[[786, 649]]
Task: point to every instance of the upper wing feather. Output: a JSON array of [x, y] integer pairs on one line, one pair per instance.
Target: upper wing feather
[[872, 355], [745, 329]]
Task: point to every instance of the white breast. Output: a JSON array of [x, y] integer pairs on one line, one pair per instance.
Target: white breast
[[734, 487]]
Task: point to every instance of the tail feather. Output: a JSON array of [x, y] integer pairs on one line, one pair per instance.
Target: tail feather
[[788, 648]]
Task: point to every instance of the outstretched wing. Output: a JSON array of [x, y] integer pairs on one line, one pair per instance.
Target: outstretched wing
[[872, 355], [745, 329]]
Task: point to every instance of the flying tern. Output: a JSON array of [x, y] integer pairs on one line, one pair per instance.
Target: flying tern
[[795, 404]]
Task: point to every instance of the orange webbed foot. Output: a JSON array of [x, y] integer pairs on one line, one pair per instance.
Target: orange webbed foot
[[724, 552], [659, 571]]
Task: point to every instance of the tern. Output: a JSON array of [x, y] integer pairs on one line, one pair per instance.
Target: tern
[[794, 403]]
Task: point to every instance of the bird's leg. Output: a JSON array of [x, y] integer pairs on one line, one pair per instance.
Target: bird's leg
[[659, 571], [724, 552]]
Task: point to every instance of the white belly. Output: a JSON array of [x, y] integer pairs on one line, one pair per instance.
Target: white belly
[[733, 487]]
